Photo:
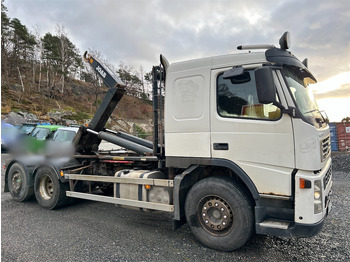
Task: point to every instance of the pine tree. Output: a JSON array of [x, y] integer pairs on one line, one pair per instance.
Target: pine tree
[[61, 57], [5, 35], [51, 57], [22, 41]]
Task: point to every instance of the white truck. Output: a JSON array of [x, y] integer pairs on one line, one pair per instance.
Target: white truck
[[240, 148]]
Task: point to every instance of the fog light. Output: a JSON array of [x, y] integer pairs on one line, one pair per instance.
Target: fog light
[[317, 197]]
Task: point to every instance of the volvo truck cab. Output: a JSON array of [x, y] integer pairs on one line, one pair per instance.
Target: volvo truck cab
[[252, 116]]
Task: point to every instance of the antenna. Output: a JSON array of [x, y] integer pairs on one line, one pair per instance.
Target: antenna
[[249, 47], [284, 42]]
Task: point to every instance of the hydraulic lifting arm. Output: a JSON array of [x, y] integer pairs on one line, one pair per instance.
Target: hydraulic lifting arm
[[86, 142], [108, 78]]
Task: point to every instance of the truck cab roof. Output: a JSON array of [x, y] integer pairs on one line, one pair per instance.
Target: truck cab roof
[[218, 61]]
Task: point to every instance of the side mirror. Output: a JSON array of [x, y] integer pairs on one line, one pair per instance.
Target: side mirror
[[265, 86]]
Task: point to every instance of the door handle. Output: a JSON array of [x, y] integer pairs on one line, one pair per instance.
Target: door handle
[[220, 146]]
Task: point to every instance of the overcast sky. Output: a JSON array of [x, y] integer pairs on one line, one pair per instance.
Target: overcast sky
[[135, 32]]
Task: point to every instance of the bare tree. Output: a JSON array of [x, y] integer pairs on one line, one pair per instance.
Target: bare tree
[[5, 42], [131, 79], [38, 51], [62, 35]]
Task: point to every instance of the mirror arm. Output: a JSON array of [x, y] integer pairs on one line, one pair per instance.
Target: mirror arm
[[291, 111], [279, 105]]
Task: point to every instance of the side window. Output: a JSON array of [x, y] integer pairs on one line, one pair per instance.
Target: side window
[[237, 97]]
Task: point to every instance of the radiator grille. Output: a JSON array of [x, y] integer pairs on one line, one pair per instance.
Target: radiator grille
[[325, 148], [327, 178]]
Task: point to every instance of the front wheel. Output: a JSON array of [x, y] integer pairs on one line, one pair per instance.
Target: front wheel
[[219, 214], [49, 191], [18, 183]]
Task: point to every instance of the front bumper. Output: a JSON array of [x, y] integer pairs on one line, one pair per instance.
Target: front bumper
[[305, 213], [293, 230]]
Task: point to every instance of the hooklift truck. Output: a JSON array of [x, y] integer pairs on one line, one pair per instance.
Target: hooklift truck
[[240, 147]]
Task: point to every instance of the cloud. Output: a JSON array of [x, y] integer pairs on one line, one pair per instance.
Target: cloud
[[136, 32], [342, 92], [320, 31]]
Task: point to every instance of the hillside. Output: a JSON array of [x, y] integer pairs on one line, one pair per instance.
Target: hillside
[[39, 75], [78, 103]]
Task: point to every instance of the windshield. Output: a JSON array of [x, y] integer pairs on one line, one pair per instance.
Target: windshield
[[302, 95], [64, 136], [26, 129]]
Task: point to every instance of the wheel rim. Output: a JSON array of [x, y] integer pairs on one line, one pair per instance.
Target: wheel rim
[[46, 187], [16, 182], [216, 215]]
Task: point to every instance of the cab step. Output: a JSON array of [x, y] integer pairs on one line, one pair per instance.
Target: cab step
[[271, 223]]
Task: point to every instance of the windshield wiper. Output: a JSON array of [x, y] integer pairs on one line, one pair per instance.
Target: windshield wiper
[[321, 119], [311, 111]]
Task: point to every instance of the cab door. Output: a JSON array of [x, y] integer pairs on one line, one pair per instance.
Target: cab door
[[256, 137]]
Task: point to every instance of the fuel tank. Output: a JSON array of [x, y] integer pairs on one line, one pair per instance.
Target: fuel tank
[[155, 194]]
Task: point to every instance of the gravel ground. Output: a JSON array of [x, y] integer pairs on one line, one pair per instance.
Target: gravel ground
[[92, 231], [341, 163]]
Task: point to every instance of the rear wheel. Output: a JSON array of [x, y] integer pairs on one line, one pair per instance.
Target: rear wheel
[[219, 214], [18, 184], [49, 191]]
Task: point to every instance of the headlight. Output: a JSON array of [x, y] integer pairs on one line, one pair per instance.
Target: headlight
[[317, 197]]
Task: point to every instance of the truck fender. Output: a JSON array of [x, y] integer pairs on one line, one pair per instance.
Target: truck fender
[[183, 183], [56, 171], [56, 164], [240, 173]]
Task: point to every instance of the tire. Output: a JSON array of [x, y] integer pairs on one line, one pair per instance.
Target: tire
[[18, 183], [219, 214], [49, 191]]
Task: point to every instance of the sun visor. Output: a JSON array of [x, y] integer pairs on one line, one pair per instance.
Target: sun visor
[[279, 56]]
